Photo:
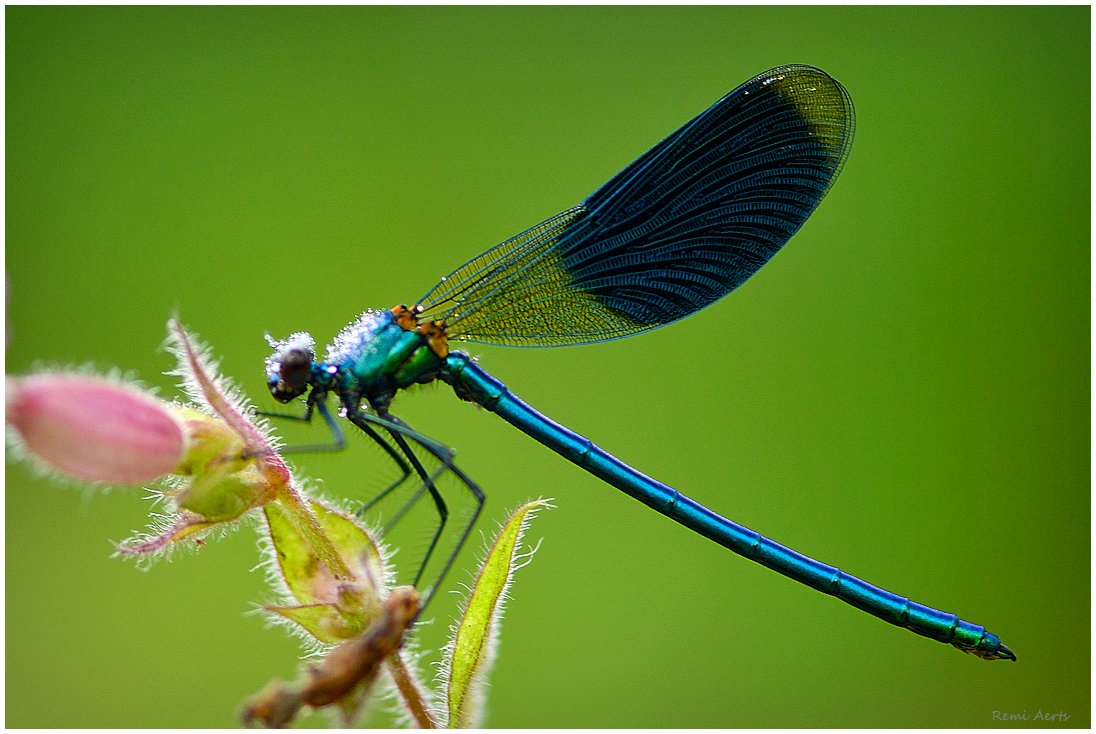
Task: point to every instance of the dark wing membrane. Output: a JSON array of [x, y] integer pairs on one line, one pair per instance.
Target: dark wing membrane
[[686, 223]]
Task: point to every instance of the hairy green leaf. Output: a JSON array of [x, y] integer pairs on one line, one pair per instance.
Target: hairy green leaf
[[471, 648]]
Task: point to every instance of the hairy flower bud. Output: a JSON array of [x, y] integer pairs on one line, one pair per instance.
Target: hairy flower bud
[[94, 429]]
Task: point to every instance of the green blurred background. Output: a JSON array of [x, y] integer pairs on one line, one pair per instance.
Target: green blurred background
[[904, 392]]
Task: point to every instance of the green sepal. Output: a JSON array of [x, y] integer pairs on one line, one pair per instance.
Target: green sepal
[[210, 443], [353, 599], [218, 496], [322, 621]]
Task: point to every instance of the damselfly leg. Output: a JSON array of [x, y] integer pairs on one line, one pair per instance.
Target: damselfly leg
[[339, 443], [402, 443]]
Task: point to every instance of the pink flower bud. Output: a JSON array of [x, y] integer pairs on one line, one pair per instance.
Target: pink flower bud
[[94, 429]]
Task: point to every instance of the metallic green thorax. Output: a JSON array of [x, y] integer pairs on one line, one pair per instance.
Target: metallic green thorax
[[375, 357]]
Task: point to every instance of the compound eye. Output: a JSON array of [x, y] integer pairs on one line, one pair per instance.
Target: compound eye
[[289, 369], [295, 369]]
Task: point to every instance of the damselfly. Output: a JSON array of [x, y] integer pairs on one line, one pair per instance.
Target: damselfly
[[685, 224]]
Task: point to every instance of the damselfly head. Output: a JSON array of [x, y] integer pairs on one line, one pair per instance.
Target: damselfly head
[[289, 369]]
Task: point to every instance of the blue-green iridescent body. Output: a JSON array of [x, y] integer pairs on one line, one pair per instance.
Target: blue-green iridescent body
[[376, 358], [685, 224]]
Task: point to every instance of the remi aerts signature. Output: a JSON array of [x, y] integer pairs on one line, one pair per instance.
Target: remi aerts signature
[[1025, 715]]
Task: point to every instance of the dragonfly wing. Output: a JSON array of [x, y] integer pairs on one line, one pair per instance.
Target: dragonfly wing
[[682, 226]]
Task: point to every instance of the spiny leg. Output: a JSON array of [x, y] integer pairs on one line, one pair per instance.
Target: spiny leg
[[409, 503], [406, 507], [480, 498], [398, 429], [401, 432], [339, 443], [426, 478]]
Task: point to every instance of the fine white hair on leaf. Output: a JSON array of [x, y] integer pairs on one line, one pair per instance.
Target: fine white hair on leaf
[[472, 709], [193, 355], [283, 596]]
